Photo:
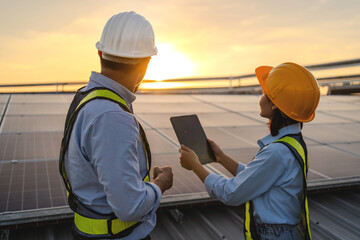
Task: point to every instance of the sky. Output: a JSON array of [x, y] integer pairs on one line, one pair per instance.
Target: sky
[[54, 41]]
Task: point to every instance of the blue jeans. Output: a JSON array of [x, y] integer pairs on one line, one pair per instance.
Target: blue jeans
[[279, 232]]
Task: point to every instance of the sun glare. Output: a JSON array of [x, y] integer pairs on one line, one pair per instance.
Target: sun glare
[[169, 63]]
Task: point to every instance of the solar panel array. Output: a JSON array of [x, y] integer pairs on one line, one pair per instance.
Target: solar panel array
[[32, 125]]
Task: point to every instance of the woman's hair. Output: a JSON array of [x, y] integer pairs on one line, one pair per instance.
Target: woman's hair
[[278, 121]]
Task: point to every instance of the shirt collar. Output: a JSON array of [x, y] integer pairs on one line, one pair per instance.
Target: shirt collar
[[99, 80], [290, 129]]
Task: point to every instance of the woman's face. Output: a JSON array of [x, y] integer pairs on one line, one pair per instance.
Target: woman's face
[[266, 107]]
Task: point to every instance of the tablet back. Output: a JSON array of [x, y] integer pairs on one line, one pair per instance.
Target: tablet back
[[190, 133]]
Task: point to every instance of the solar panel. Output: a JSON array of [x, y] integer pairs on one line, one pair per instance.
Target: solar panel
[[33, 124], [2, 108], [332, 133], [353, 115], [156, 120], [227, 98], [37, 109], [353, 147], [185, 182], [40, 123], [174, 108], [30, 146], [30, 185], [159, 144], [41, 98], [333, 162], [153, 98], [4, 98], [225, 119]]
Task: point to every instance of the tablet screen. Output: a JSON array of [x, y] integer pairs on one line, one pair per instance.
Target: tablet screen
[[190, 133]]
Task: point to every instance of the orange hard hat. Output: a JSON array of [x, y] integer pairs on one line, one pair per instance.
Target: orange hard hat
[[292, 88]]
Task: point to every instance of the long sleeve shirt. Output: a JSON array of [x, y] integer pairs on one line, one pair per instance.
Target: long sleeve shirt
[[273, 180], [106, 162]]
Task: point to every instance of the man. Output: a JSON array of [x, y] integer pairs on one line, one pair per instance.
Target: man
[[105, 157]]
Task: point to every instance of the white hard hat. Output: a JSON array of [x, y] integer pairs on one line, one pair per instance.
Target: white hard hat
[[128, 35]]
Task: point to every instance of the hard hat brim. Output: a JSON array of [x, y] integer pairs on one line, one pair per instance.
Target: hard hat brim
[[102, 48], [261, 73]]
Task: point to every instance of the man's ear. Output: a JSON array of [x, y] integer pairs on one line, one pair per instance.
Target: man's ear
[[273, 107]]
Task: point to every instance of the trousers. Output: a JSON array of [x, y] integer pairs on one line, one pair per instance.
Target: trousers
[[279, 232]]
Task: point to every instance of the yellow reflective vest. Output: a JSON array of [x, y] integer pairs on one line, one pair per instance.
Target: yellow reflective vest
[[297, 146], [86, 220]]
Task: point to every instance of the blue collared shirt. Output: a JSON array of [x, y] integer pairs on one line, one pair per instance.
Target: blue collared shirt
[[106, 162], [273, 180]]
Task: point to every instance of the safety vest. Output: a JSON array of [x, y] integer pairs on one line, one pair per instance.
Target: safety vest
[[297, 146], [87, 220]]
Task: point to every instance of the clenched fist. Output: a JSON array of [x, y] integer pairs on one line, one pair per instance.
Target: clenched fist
[[163, 177]]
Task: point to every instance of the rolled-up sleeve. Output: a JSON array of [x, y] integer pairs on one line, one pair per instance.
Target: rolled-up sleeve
[[112, 146], [251, 180]]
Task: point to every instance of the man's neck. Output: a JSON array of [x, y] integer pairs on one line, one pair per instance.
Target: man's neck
[[127, 80]]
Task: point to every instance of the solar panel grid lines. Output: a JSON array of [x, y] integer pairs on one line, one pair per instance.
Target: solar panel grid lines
[[31, 185], [30, 141], [30, 146]]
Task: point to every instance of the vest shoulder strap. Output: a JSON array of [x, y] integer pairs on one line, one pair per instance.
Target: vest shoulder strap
[[297, 146]]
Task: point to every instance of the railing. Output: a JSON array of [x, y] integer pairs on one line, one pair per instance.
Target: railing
[[235, 83]]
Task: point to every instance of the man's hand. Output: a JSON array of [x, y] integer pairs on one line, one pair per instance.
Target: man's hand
[[163, 177]]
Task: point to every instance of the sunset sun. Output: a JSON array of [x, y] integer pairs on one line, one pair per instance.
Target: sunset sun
[[169, 63]]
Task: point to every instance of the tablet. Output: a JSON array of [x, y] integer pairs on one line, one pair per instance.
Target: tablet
[[190, 133]]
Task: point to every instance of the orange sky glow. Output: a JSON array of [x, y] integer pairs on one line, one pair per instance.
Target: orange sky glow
[[51, 41]]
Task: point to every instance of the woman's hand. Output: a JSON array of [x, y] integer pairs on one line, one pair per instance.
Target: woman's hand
[[217, 151], [188, 159]]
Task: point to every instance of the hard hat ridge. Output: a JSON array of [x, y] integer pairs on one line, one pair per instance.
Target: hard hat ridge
[[128, 35]]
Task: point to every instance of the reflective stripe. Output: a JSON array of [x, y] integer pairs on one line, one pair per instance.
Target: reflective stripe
[[307, 217], [100, 226], [247, 222], [147, 178], [102, 93]]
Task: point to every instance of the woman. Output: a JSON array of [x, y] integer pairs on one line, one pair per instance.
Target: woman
[[273, 185]]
